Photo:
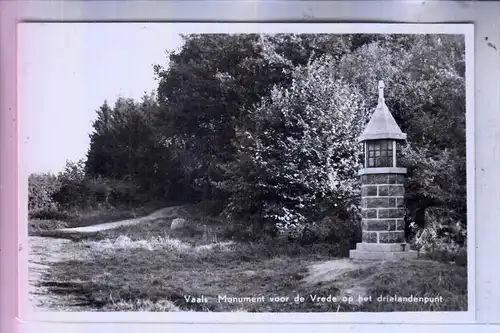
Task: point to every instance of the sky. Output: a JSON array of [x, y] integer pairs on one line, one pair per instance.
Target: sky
[[67, 70]]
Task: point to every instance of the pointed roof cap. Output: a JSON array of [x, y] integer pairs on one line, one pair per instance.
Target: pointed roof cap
[[382, 124]]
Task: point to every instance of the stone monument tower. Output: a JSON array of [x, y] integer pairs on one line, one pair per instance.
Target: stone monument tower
[[382, 190]]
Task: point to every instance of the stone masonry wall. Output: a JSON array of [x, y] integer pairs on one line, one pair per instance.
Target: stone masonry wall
[[382, 207]]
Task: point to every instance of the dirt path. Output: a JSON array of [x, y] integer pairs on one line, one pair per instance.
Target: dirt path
[[337, 271], [44, 251], [165, 212]]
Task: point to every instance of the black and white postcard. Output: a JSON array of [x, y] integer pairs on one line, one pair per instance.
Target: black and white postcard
[[286, 169]]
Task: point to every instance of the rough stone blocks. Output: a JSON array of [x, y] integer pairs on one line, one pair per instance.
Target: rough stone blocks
[[400, 224], [391, 237], [391, 190], [400, 202], [380, 225], [396, 179], [369, 191], [369, 237], [391, 213], [382, 208], [368, 213], [378, 202]]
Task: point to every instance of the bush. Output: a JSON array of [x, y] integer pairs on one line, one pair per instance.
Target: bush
[[38, 225], [49, 214], [79, 191], [213, 207], [315, 232], [461, 257], [341, 233], [41, 188], [344, 232], [297, 151], [246, 231], [123, 192], [71, 193], [442, 239]]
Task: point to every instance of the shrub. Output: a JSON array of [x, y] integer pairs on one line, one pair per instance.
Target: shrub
[[315, 232], [344, 232], [442, 239], [124, 192], [461, 257], [45, 225], [246, 231], [79, 191], [41, 188], [50, 213], [213, 207], [71, 193]]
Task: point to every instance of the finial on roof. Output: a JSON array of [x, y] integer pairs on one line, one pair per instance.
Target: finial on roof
[[381, 87], [382, 124]]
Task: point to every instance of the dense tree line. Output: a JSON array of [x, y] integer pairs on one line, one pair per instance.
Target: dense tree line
[[264, 127]]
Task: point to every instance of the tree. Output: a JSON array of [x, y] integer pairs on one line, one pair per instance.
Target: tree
[[299, 153], [41, 187], [211, 83], [129, 150], [72, 192]]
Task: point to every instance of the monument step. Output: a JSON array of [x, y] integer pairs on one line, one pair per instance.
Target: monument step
[[398, 247], [368, 255]]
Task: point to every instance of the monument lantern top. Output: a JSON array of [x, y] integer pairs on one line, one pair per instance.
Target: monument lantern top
[[382, 124]]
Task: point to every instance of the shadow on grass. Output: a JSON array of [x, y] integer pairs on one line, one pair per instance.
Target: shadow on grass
[[73, 236], [80, 291]]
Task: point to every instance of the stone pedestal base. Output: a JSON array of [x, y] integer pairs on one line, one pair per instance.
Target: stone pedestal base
[[375, 251]]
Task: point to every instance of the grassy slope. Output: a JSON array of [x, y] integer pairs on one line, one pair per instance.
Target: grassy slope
[[154, 268]]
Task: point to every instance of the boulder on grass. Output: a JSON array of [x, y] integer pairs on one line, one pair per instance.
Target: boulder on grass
[[178, 223]]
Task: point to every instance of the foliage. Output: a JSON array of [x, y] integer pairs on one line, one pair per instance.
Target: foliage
[[37, 225], [344, 232], [211, 84], [444, 237], [426, 93], [439, 248], [425, 80], [53, 213], [436, 179], [72, 191], [299, 151], [41, 187], [129, 152], [265, 127]]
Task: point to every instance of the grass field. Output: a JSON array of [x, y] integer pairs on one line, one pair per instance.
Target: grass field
[[147, 267]]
